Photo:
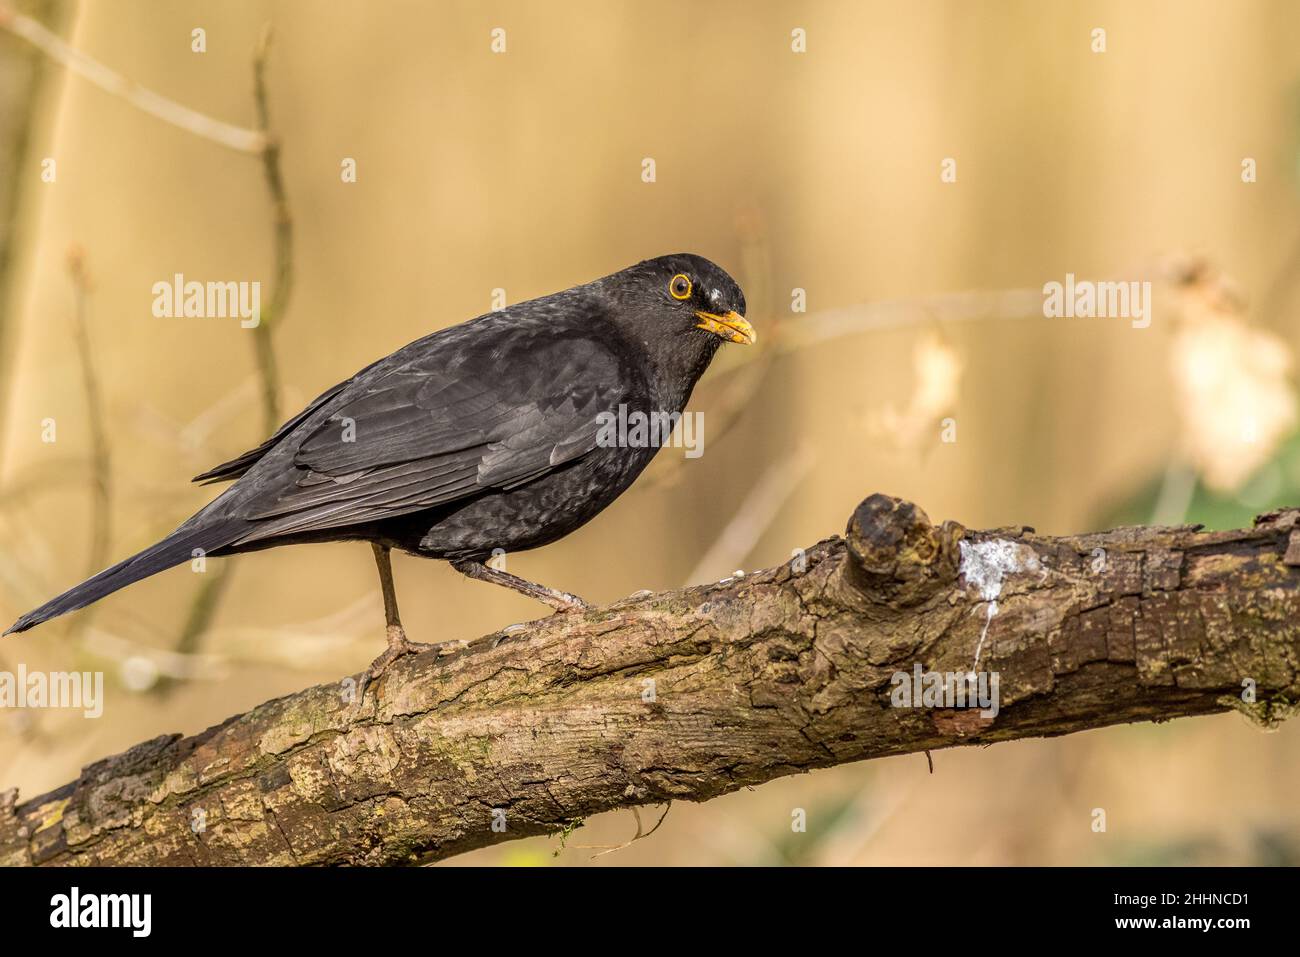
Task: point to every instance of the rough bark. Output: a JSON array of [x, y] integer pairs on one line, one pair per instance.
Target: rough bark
[[690, 694]]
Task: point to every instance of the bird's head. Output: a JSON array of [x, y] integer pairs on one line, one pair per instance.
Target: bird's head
[[682, 306]]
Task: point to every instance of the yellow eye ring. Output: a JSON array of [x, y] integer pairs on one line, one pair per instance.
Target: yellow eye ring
[[679, 287]]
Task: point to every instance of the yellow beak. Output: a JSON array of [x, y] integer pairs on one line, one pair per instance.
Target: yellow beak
[[732, 326]]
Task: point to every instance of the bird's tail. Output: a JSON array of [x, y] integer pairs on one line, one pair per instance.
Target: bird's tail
[[177, 547]]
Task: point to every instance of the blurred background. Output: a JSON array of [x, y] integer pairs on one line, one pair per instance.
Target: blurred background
[[903, 346]]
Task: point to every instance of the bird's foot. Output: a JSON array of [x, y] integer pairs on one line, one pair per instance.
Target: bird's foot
[[563, 602], [398, 647], [559, 600]]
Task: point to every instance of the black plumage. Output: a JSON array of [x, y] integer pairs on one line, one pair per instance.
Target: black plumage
[[478, 437]]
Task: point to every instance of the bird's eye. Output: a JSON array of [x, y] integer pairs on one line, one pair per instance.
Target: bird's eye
[[680, 286]]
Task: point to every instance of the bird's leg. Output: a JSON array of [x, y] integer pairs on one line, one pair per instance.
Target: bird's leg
[[397, 643], [559, 600]]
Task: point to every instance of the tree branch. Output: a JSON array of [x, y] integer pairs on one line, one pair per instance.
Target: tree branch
[[142, 98], [690, 694]]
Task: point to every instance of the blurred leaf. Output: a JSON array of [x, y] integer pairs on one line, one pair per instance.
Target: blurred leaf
[[1275, 485]]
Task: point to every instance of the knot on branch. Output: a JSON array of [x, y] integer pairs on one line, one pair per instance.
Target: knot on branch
[[898, 556]]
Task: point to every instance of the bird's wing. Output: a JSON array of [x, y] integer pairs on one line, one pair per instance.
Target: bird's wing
[[441, 426]]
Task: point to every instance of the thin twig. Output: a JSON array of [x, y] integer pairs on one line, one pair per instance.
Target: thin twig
[[110, 81], [754, 516], [282, 223], [783, 335], [203, 608], [101, 482], [640, 833], [18, 104]]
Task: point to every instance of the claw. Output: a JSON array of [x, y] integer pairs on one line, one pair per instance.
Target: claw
[[565, 603], [398, 647]]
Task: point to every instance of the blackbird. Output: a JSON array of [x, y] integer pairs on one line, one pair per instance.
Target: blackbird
[[482, 436]]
